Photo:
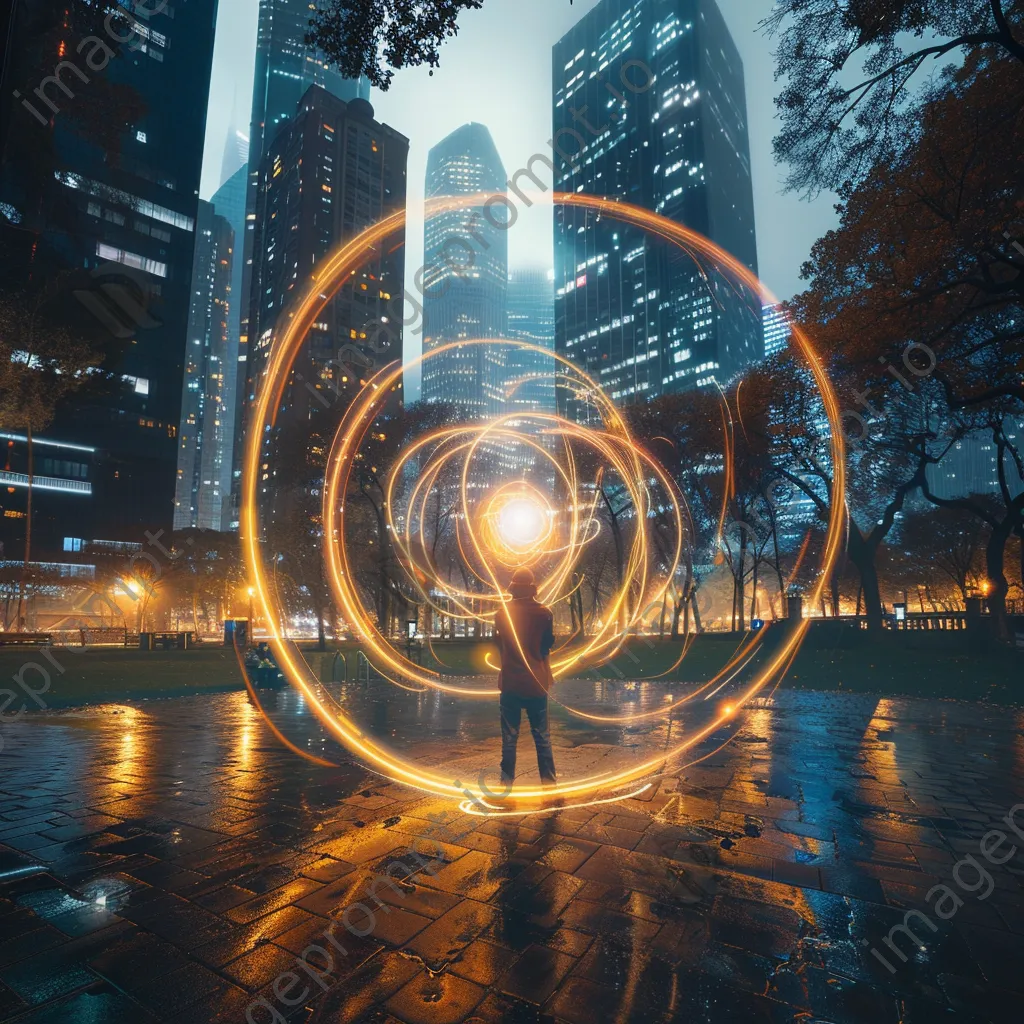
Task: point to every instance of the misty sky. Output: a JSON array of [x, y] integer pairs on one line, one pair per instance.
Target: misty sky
[[498, 71]]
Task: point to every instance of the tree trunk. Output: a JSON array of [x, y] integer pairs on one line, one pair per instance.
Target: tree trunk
[[741, 580], [862, 555], [20, 624], [995, 554], [698, 628]]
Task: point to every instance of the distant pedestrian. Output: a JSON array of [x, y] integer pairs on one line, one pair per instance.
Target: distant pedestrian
[[524, 631]]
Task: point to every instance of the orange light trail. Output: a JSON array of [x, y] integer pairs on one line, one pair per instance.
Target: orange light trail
[[616, 448]]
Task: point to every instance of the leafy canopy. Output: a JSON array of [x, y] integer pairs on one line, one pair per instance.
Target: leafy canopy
[[378, 37], [848, 66]]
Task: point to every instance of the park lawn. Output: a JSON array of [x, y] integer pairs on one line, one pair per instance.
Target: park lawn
[[102, 674], [894, 671], [891, 666]]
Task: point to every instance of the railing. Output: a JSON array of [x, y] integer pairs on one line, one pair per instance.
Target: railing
[[929, 620], [365, 672], [106, 636]]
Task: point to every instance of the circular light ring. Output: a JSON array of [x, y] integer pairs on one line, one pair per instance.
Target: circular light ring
[[630, 462], [331, 275]]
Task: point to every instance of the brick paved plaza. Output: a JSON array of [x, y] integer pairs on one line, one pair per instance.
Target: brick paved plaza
[[173, 861]]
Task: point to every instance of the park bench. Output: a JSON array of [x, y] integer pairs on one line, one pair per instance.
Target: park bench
[[25, 639], [167, 641]]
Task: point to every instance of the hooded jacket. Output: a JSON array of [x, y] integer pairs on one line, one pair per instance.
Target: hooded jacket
[[525, 670]]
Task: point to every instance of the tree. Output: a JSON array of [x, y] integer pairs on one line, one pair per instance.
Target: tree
[[947, 544], [731, 519], [40, 364], [915, 303], [925, 252], [377, 37], [847, 103]]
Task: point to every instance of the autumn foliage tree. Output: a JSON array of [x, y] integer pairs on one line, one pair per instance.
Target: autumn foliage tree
[[915, 300]]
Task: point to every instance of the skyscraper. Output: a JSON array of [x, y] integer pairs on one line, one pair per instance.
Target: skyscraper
[[229, 202], [202, 494], [649, 106], [465, 258], [776, 329], [531, 318], [329, 174], [971, 465], [98, 187], [285, 69]]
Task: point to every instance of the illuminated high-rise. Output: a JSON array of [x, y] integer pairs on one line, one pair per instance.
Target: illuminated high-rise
[[286, 68], [777, 329], [465, 259], [531, 318], [203, 490], [649, 107], [329, 174], [99, 178]]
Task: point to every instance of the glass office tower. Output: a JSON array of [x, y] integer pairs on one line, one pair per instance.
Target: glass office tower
[[99, 178], [465, 258], [649, 107], [531, 318], [203, 491]]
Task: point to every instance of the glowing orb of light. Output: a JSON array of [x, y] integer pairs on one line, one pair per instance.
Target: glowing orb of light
[[522, 523]]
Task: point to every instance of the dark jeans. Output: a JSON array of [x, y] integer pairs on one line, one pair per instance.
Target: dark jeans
[[536, 709]]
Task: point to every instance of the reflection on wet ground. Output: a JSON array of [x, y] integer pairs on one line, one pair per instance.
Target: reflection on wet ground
[[438, 729], [172, 861]]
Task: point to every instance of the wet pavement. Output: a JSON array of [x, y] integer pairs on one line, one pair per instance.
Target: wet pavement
[[171, 860]]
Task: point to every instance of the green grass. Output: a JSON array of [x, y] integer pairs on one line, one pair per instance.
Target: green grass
[[99, 674], [935, 666]]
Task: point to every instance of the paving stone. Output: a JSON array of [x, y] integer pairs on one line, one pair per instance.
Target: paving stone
[[435, 999], [743, 889], [536, 974]]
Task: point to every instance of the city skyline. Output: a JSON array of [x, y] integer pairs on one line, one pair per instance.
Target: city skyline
[[514, 101]]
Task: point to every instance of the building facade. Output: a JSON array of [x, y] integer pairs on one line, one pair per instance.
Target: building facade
[[465, 259], [531, 318], [229, 202], [971, 465], [650, 108], [286, 68], [203, 490], [329, 174], [99, 180], [777, 330]]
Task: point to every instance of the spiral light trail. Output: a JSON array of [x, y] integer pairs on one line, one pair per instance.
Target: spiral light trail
[[515, 523]]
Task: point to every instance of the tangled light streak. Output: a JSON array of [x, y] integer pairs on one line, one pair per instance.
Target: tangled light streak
[[485, 546]]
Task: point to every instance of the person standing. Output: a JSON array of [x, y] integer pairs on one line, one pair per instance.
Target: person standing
[[524, 629]]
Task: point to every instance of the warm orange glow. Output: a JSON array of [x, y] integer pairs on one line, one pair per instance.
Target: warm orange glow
[[619, 453]]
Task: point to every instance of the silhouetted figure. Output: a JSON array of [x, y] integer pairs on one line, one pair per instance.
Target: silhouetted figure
[[524, 631]]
